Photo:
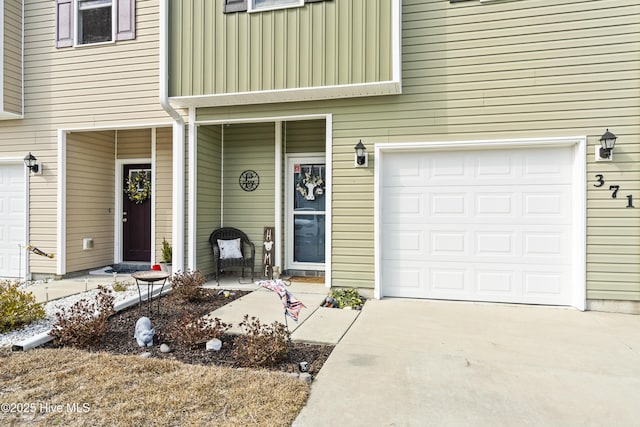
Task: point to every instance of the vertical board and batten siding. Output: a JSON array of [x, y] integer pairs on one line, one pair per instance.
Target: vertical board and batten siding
[[320, 44], [209, 193], [91, 178], [101, 86], [504, 70], [164, 187], [249, 146], [12, 57]]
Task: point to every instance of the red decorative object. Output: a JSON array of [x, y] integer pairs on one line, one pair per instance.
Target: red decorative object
[[155, 267]]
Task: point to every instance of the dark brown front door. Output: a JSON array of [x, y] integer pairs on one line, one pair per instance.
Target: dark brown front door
[[136, 215]]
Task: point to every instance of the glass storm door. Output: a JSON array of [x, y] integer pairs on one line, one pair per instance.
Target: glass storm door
[[306, 213]]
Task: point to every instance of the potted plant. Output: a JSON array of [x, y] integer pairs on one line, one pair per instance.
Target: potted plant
[[165, 262]]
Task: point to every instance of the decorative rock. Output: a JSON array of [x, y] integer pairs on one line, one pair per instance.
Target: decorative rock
[[164, 349], [291, 374], [145, 355], [306, 377], [215, 344]]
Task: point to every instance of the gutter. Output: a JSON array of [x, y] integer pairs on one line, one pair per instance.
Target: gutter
[[178, 193]]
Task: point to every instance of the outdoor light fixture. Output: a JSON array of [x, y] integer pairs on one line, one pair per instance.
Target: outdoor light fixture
[[362, 157], [30, 161], [607, 141]]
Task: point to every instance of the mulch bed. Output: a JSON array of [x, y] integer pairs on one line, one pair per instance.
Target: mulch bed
[[119, 338]]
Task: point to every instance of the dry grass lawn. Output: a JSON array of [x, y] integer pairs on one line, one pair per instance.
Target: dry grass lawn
[[109, 390]]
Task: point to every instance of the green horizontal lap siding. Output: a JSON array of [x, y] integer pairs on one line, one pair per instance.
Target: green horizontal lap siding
[[209, 193], [249, 146], [305, 136], [320, 44], [12, 59], [521, 69]]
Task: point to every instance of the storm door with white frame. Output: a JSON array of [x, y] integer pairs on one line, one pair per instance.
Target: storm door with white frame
[[306, 204]]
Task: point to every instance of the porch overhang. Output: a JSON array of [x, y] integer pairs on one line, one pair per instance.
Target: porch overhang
[[289, 95]]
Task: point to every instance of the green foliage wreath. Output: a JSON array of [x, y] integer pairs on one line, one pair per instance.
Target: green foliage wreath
[[138, 187]]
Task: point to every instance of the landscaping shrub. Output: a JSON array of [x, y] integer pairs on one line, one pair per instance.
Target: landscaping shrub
[[188, 285], [85, 322], [192, 330], [17, 308], [346, 298], [263, 345]]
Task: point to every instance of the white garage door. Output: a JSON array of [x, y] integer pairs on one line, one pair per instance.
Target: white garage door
[[12, 226], [485, 225]]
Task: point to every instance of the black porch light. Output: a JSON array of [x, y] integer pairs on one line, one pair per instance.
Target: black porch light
[[608, 141], [30, 162], [361, 154]]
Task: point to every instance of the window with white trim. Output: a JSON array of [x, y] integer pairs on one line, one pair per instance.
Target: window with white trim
[[86, 22], [259, 5], [94, 21], [231, 6]]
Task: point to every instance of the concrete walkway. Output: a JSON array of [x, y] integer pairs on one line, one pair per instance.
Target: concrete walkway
[[318, 325], [420, 363]]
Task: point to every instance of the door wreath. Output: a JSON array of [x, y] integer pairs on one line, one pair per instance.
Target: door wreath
[[138, 186], [310, 186]]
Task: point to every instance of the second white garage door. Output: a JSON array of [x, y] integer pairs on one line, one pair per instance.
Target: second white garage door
[[485, 225], [12, 226]]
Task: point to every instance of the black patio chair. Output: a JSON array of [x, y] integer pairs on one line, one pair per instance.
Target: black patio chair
[[247, 253]]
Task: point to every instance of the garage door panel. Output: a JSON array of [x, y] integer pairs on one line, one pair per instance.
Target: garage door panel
[[13, 224], [405, 206], [490, 225], [539, 164], [404, 274], [405, 242], [449, 281], [498, 283], [495, 243]]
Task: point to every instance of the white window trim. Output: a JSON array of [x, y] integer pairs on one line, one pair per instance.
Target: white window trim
[[76, 36], [251, 8]]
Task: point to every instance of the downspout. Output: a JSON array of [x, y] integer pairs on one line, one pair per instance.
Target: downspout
[[178, 198]]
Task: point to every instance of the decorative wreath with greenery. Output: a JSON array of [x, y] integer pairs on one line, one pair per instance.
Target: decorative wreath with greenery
[[138, 187]]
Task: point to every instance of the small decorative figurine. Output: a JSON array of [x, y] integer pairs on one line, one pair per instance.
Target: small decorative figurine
[[144, 334]]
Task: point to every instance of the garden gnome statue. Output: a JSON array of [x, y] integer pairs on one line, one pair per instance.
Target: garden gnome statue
[[144, 334]]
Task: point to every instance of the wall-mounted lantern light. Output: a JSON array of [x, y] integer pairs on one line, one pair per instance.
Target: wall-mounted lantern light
[[605, 151], [362, 157], [31, 162]]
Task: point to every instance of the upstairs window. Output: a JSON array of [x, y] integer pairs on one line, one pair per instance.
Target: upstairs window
[[94, 21], [86, 22], [230, 6], [259, 5]]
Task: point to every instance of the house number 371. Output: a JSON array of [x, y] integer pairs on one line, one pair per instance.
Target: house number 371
[[614, 190]]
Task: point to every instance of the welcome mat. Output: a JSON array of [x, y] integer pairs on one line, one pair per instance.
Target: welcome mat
[[306, 279]]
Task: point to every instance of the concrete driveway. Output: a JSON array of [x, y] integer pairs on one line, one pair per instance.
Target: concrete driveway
[[420, 363]]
